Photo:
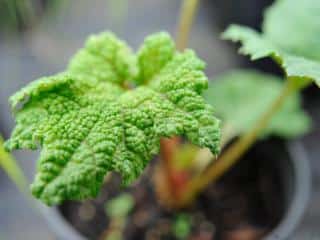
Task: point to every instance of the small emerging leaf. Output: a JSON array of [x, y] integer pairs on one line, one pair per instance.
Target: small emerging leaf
[[120, 206], [241, 96], [182, 226], [88, 123], [290, 35]]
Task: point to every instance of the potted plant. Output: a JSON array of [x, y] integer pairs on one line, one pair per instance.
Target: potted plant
[[113, 111]]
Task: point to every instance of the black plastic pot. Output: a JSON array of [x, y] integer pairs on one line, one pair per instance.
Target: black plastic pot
[[295, 179]]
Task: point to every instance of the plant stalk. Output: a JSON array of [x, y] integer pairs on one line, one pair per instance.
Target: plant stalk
[[167, 150], [10, 166], [187, 13], [237, 149]]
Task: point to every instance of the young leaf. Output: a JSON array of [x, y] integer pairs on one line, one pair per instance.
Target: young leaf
[[290, 35], [153, 56], [241, 96], [182, 226], [87, 123], [104, 58], [120, 206]]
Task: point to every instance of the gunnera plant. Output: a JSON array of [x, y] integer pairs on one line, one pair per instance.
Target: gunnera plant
[[113, 110]]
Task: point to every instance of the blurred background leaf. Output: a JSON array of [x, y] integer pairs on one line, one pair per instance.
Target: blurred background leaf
[[241, 96]]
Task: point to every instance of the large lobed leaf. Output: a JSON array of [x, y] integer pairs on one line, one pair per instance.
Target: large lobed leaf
[[242, 96], [290, 35], [87, 123]]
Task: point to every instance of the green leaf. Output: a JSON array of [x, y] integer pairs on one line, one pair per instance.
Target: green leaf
[[290, 35], [104, 58], [241, 96], [89, 124], [153, 56], [182, 226]]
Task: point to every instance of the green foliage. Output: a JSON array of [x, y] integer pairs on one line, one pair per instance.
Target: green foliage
[[153, 56], [242, 96], [290, 35], [87, 122], [182, 226], [120, 206], [104, 58]]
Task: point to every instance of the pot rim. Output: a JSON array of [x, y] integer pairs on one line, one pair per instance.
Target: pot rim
[[292, 217], [301, 193]]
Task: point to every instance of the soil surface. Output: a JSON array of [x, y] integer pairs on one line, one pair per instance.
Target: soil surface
[[245, 204]]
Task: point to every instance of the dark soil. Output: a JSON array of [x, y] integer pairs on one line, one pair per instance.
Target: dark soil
[[245, 204]]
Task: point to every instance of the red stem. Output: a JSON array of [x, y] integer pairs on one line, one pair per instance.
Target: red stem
[[168, 147]]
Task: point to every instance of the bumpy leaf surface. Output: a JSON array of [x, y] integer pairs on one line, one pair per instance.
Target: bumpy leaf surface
[[290, 35], [87, 122], [241, 96]]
